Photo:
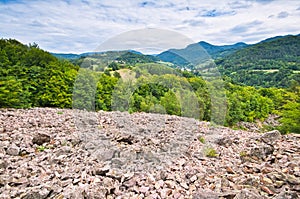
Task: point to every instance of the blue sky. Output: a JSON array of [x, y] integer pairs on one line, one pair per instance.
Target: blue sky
[[77, 26]]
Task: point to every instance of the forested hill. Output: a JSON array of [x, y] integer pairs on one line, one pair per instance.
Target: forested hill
[[31, 77], [272, 62]]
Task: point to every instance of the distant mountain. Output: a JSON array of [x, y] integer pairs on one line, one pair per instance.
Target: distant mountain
[[72, 56], [66, 55], [271, 62], [179, 56], [221, 51]]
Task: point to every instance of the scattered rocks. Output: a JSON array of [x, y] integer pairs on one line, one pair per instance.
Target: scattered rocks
[[81, 154]]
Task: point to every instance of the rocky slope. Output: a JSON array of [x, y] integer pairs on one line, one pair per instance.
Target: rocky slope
[[59, 153]]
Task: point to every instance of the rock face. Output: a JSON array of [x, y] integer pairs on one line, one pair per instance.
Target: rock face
[[60, 153]]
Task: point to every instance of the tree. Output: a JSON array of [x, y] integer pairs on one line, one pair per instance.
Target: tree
[[290, 118]]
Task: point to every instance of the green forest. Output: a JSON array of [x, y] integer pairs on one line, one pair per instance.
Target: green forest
[[274, 62], [31, 77]]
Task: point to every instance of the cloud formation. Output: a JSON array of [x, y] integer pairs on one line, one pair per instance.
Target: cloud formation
[[82, 25], [283, 15]]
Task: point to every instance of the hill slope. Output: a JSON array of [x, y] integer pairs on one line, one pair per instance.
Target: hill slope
[[29, 76], [272, 62]]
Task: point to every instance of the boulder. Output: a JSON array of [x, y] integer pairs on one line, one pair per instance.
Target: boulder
[[270, 137]]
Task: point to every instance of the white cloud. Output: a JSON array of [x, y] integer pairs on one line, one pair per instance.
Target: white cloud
[[80, 26]]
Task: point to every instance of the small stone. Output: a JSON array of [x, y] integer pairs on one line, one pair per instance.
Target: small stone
[[13, 150], [164, 193], [184, 185], [293, 180], [267, 190], [19, 181], [278, 183], [59, 196], [41, 138], [266, 180], [193, 178], [102, 171], [230, 170], [130, 183], [76, 181], [170, 184], [266, 170], [144, 189], [159, 184], [3, 164], [96, 180]]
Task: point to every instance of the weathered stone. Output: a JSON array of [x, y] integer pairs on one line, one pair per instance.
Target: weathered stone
[[224, 141], [144, 189], [164, 193], [261, 152], [13, 150], [266, 180], [267, 190], [3, 164], [102, 170], [271, 137], [293, 180], [41, 138]]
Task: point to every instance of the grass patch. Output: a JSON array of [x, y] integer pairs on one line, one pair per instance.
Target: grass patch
[[243, 153], [211, 152], [40, 148], [201, 139]]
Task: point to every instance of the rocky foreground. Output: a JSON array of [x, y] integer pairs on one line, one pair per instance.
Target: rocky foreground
[[59, 153]]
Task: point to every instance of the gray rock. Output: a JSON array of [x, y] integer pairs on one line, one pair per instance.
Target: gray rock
[[3, 164], [224, 141], [271, 136], [262, 151], [13, 150], [41, 138], [105, 154]]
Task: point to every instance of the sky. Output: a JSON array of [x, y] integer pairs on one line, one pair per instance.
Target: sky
[[77, 26]]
